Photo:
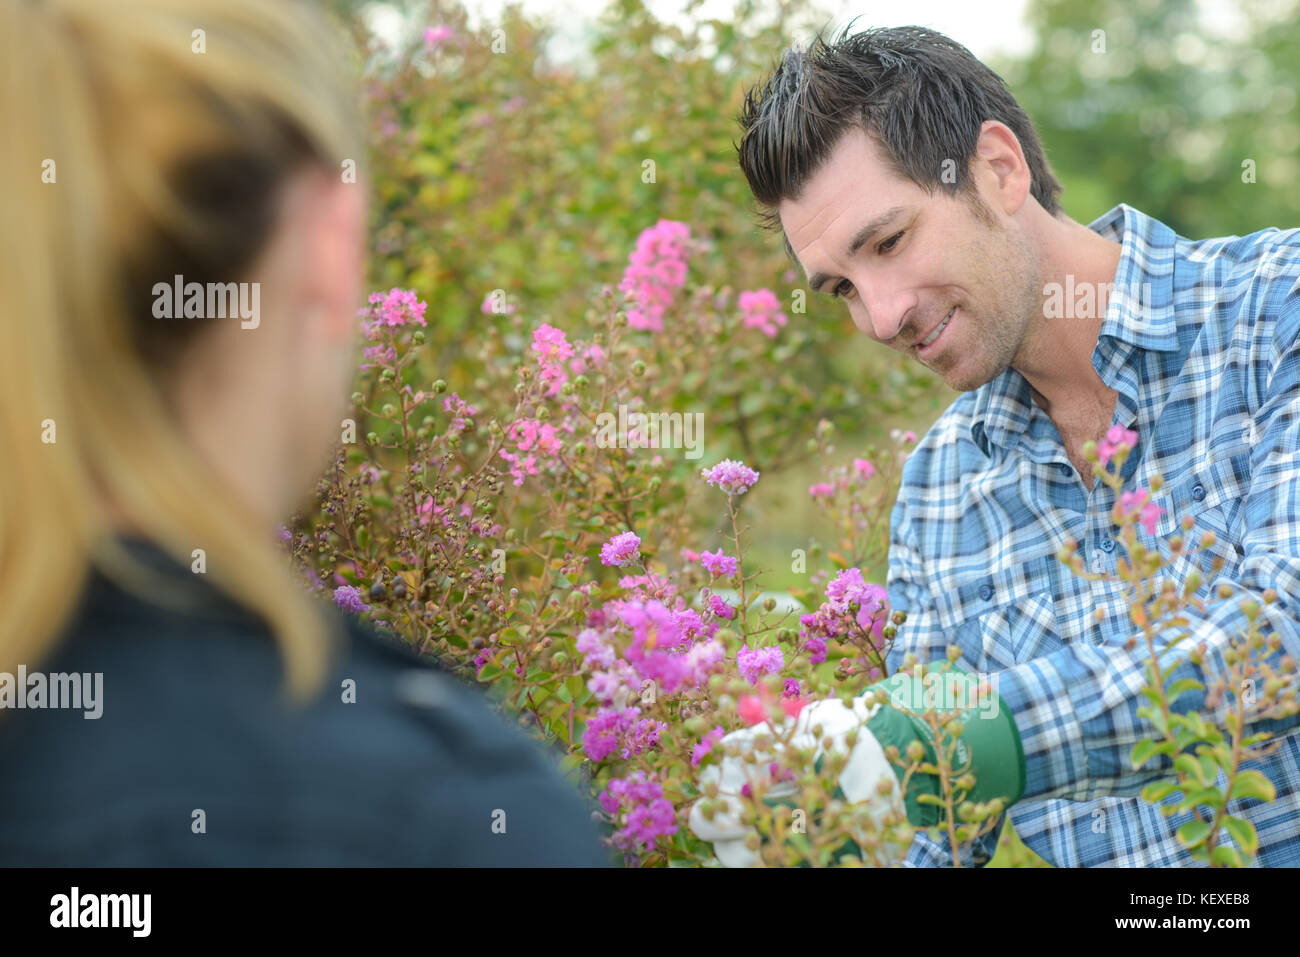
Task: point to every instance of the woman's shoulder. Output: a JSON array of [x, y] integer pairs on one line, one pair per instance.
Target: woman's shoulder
[[186, 750]]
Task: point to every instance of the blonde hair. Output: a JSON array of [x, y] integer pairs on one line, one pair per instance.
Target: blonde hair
[[131, 152]]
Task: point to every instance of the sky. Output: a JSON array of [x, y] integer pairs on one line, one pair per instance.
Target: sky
[[969, 22]]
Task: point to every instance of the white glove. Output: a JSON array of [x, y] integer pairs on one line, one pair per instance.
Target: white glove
[[865, 768]]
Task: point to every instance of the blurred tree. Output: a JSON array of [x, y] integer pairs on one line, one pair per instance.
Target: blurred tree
[[1147, 104]]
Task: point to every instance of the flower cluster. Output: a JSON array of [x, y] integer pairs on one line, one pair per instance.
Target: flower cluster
[[386, 313], [637, 803], [656, 270], [761, 310], [530, 438], [734, 478], [1116, 436], [835, 619], [552, 349], [756, 662], [718, 565], [1139, 502], [348, 597], [621, 549]]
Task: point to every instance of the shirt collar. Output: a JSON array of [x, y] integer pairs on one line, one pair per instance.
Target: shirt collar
[[1139, 317]]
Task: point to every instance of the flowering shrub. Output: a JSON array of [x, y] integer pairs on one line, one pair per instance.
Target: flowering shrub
[[1259, 684]]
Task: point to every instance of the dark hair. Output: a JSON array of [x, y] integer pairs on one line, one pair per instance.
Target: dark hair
[[921, 95]]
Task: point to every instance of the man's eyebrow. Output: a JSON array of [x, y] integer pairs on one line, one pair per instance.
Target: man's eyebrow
[[860, 239]]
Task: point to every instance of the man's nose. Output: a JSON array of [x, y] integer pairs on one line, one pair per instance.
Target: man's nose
[[885, 310]]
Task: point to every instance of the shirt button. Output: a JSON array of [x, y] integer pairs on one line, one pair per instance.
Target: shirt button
[[1108, 544], [1198, 492], [986, 592]]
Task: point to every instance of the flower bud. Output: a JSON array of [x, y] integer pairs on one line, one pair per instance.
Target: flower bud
[[357, 398], [638, 367], [769, 604], [915, 751]]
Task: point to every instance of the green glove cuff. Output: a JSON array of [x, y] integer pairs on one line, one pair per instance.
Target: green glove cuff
[[990, 739]]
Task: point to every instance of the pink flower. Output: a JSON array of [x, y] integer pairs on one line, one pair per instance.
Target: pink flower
[[394, 308], [751, 709], [864, 468], [821, 490], [552, 350], [605, 731], [435, 36], [734, 478], [761, 310], [656, 269], [756, 662], [1139, 501], [639, 805], [721, 608], [706, 745], [1116, 436], [621, 549], [718, 564]]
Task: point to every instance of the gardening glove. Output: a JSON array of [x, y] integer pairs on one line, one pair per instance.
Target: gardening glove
[[989, 739]]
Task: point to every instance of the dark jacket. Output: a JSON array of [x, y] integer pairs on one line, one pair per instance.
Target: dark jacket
[[418, 771]]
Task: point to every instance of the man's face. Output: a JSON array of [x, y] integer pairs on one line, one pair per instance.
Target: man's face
[[927, 257]]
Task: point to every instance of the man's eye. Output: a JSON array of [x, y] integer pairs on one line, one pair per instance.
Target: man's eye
[[891, 242], [841, 291]]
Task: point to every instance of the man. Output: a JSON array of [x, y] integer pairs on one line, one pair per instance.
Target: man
[[907, 181]]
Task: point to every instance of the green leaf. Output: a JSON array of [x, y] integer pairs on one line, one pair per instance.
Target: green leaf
[[1157, 792], [1211, 797], [571, 761], [1193, 833], [1253, 784], [1210, 766], [1144, 751], [1182, 686], [1243, 832], [1226, 856], [1188, 766]]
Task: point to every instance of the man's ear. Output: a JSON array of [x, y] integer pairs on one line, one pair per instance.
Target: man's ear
[[1002, 161]]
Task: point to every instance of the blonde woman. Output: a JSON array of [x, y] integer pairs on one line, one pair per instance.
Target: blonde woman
[[168, 695]]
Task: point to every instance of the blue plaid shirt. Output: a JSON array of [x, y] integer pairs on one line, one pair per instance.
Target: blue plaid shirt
[[1201, 340]]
